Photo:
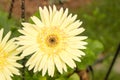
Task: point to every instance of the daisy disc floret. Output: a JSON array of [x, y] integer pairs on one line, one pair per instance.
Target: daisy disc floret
[[52, 41], [8, 57]]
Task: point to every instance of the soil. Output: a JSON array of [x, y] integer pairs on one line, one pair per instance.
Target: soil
[[31, 6]]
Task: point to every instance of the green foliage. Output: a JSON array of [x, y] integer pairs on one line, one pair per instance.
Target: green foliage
[[101, 21], [9, 24], [74, 77], [94, 48], [100, 75]]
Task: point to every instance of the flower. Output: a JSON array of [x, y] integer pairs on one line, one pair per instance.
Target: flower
[[52, 41], [8, 57]]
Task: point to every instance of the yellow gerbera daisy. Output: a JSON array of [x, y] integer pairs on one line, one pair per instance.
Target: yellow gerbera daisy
[[53, 40], [8, 58]]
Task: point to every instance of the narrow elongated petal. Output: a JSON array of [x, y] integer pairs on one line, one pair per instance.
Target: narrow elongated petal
[[58, 63], [51, 66], [37, 21], [5, 39], [8, 58], [1, 34]]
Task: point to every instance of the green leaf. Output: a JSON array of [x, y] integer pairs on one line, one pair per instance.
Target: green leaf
[[42, 78], [61, 78], [74, 77], [95, 46], [9, 24], [87, 60]]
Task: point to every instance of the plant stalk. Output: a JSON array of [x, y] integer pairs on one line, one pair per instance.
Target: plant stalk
[[113, 61], [11, 9]]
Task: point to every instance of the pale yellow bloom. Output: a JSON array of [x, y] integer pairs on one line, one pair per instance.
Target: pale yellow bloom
[[53, 41], [8, 57]]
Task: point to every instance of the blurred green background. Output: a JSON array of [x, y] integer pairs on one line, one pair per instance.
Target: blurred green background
[[101, 19]]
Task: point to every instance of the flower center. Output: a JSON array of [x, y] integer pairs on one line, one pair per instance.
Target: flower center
[[52, 40]]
